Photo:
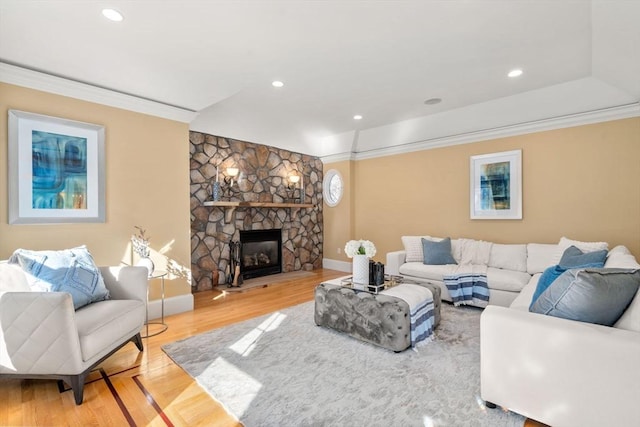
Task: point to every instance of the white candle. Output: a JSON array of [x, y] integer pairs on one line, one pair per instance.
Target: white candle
[[217, 178], [301, 188]]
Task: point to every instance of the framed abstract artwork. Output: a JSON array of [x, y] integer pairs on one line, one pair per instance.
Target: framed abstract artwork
[[56, 170], [496, 185]]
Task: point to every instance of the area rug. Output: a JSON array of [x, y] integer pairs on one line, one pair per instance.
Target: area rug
[[283, 370]]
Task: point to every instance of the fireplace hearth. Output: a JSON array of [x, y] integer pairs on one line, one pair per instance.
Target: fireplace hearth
[[260, 253]]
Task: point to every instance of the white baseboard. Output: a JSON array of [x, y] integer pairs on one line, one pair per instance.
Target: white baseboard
[[334, 264], [172, 305]]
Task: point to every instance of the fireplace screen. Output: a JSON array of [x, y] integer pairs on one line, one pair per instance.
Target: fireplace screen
[[261, 253]]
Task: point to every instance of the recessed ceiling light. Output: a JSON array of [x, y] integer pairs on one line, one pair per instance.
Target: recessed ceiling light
[[357, 117], [112, 15], [277, 83], [515, 73], [433, 101]]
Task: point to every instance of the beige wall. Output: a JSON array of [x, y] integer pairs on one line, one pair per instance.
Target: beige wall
[[338, 220], [581, 182], [147, 184]]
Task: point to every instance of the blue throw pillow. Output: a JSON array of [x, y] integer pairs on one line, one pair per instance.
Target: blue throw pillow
[[69, 270], [574, 257], [551, 274], [437, 253], [593, 295]]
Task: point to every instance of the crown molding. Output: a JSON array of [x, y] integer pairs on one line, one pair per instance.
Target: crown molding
[[340, 157], [19, 76], [571, 120]]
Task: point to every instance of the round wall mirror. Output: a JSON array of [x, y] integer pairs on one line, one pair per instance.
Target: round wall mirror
[[332, 187]]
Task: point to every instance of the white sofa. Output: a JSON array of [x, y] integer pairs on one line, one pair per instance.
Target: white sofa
[[42, 336], [563, 372], [560, 372], [510, 267]]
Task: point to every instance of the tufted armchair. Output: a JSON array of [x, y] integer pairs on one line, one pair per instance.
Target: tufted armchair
[[43, 337]]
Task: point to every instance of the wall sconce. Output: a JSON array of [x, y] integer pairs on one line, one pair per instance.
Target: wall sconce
[[232, 173], [293, 180]]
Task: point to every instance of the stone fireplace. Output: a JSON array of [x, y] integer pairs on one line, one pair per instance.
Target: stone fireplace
[[262, 192], [260, 253]]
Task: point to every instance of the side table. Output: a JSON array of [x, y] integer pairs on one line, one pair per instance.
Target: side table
[[156, 275]]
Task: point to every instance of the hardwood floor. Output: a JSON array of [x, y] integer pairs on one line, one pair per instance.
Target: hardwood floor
[[147, 388]]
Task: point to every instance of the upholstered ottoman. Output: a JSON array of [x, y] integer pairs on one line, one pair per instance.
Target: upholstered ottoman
[[379, 319]]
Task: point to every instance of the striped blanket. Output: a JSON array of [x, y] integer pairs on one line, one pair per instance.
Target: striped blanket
[[420, 301], [467, 283], [468, 288]]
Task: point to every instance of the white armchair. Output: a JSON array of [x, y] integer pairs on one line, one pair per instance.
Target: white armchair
[[43, 337]]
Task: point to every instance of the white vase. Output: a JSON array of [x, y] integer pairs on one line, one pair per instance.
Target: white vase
[[360, 269], [148, 263]]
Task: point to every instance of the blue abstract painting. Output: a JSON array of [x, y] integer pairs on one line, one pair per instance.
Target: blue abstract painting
[[495, 186], [59, 171]]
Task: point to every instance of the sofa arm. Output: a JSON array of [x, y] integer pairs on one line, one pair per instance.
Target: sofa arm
[[38, 334], [126, 282], [394, 261], [557, 371]]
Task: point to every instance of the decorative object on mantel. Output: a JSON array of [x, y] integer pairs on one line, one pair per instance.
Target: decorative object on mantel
[[360, 251], [216, 188], [140, 245]]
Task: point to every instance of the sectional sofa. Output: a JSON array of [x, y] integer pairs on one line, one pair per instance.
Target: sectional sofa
[[557, 371]]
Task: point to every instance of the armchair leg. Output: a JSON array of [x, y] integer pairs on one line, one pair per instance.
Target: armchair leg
[[137, 340], [77, 385]]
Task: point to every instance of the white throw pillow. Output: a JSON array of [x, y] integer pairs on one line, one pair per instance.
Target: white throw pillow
[[413, 248], [540, 256], [508, 257], [583, 246], [620, 257], [13, 279]]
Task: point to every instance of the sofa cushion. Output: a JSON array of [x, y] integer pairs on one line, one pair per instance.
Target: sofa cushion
[[508, 257], [413, 248], [620, 257], [437, 253], [12, 278], [591, 295], [574, 258], [69, 270], [630, 319], [506, 280], [523, 300], [106, 322], [540, 256], [426, 272]]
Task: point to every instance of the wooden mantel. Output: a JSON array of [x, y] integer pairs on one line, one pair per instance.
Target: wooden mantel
[[232, 206], [256, 204]]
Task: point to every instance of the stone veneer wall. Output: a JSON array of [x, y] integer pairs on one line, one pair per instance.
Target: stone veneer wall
[[263, 177]]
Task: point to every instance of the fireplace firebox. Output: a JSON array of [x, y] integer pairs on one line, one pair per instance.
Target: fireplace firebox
[[260, 253]]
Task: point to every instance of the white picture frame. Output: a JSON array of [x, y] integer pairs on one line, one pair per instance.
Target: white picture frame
[[496, 185], [56, 170]]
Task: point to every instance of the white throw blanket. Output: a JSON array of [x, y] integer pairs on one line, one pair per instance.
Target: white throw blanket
[[467, 283], [420, 301]]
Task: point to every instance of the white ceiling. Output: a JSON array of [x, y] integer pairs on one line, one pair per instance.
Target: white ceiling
[[380, 59]]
